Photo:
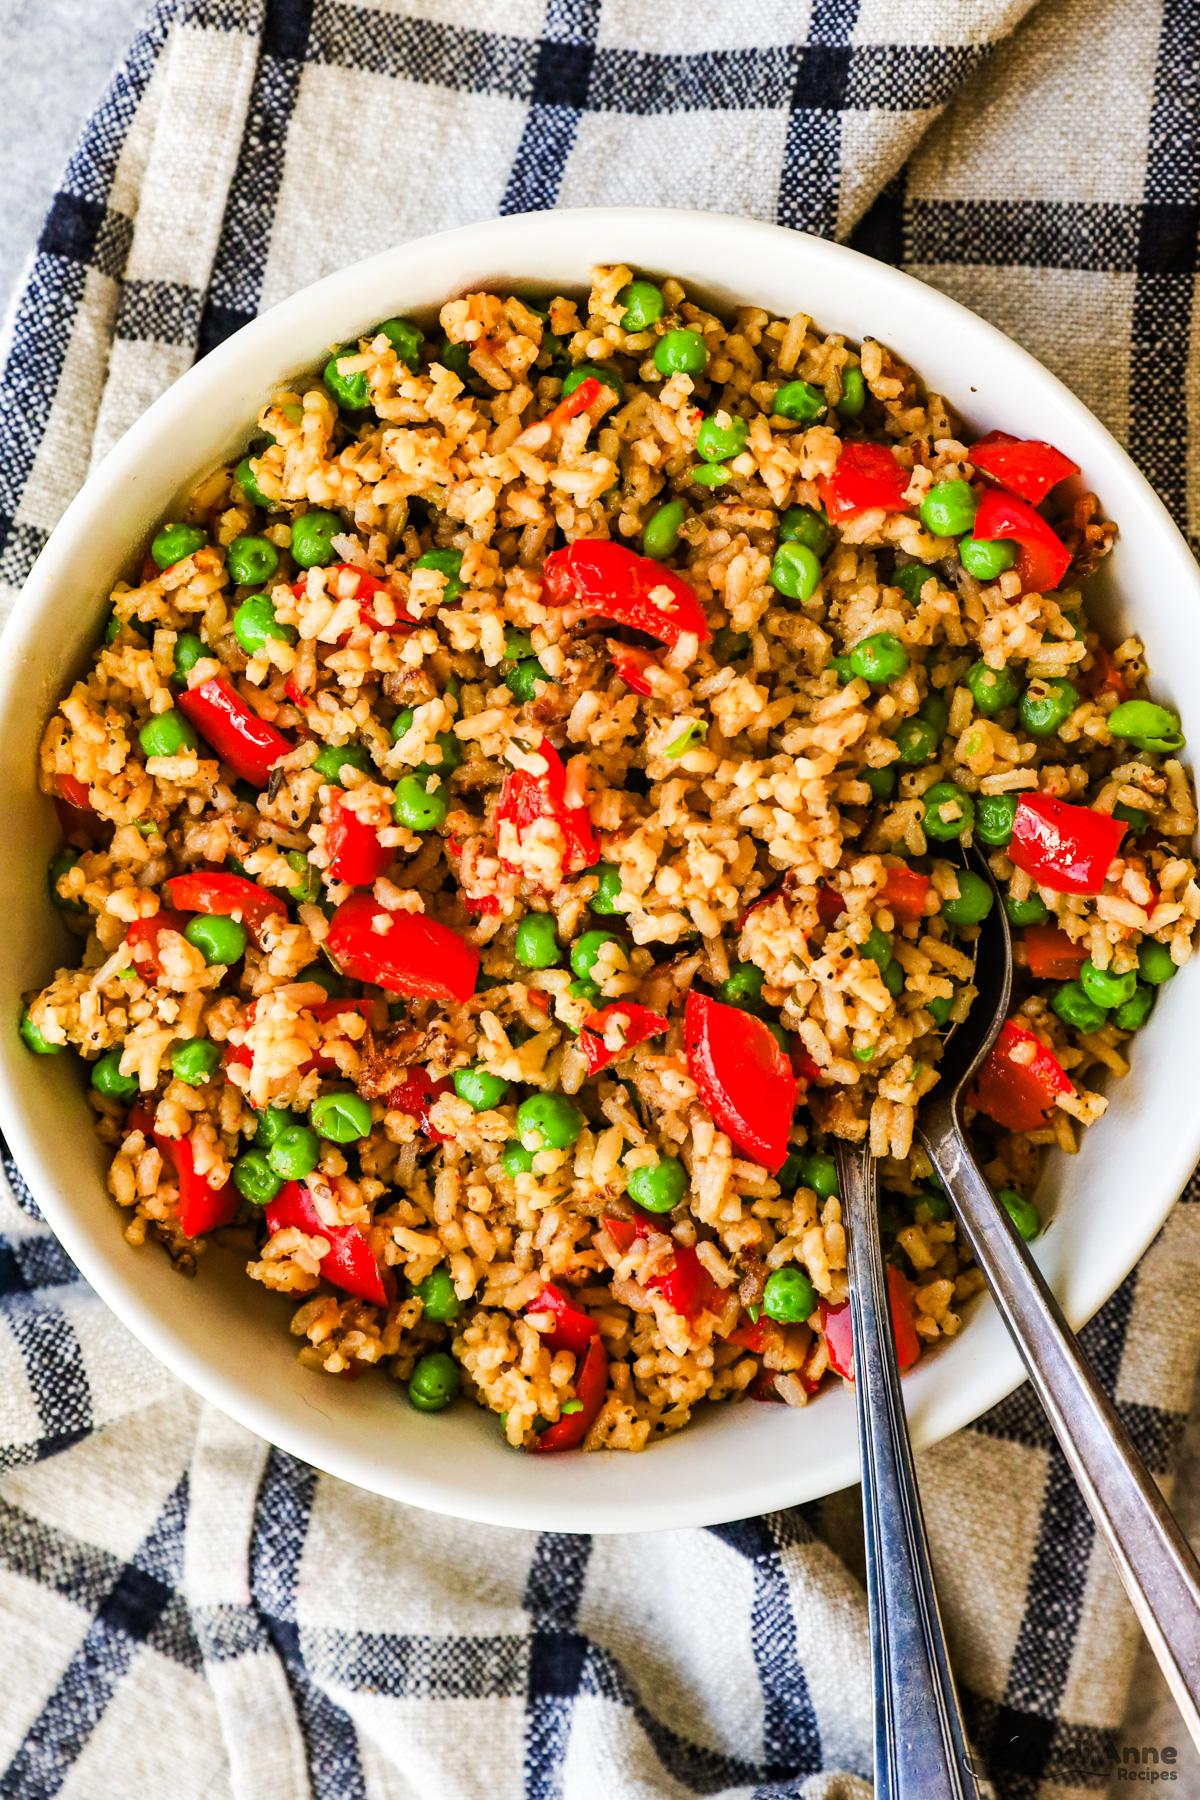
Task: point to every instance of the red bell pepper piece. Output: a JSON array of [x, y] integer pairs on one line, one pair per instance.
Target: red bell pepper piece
[[216, 892], [1064, 847], [685, 1284], [904, 894], [1104, 677], [623, 1232], [640, 1024], [76, 794], [415, 1095], [838, 1327], [295, 694], [830, 904], [1042, 557], [525, 798], [751, 1335], [633, 664], [240, 738], [323, 1010], [615, 583], [764, 899], [591, 1385], [201, 1208], [573, 1328], [1052, 955], [581, 400], [743, 1077], [1018, 1094], [356, 855], [1027, 468], [349, 1263], [487, 904], [365, 590], [147, 931], [803, 1066], [408, 954], [867, 477]]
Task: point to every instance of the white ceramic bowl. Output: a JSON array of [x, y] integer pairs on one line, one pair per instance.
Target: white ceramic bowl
[[224, 1335]]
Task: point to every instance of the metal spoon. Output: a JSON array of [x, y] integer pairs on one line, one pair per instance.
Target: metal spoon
[[1161, 1576]]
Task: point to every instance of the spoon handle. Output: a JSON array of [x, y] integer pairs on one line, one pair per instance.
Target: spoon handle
[[1160, 1574], [920, 1744]]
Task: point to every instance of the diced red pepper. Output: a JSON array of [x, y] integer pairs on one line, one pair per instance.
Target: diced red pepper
[[364, 591], [1042, 557], [615, 583], [752, 1335], [904, 894], [415, 1095], [147, 931], [573, 1328], [633, 664], [1018, 1094], [1104, 677], [487, 904], [830, 904], [526, 798], [867, 478], [295, 694], [356, 855], [743, 1076], [803, 1066], [240, 738], [216, 892], [240, 1055], [407, 953], [640, 1024], [1052, 956], [685, 1285], [349, 1263], [1064, 847], [591, 1385], [838, 1327], [623, 1232], [540, 998], [201, 1207], [765, 899], [1027, 468], [76, 794], [582, 399]]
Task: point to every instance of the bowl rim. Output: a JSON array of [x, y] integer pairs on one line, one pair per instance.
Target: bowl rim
[[1082, 1289]]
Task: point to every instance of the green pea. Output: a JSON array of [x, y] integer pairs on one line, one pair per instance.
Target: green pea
[[434, 1383], [336, 757], [188, 651], [251, 560], [342, 1118], [166, 734], [312, 538], [935, 712], [517, 1160], [947, 811], [436, 1293], [1133, 816], [416, 808], [255, 625], [174, 542], [219, 939], [517, 646], [916, 741], [1033, 911], [729, 646], [1150, 727], [585, 989], [789, 1296], [680, 353], [114, 627], [854, 392], [893, 979], [949, 508], [593, 372], [295, 1152], [608, 890], [36, 1041], [939, 1008], [1075, 1008], [820, 1174], [790, 1174], [449, 564], [994, 815], [986, 558], [195, 1062], [522, 681], [548, 1122], [880, 658], [326, 978], [721, 443], [457, 358], [1022, 1212], [976, 898], [308, 884], [643, 304], [64, 861], [537, 945], [108, 1080], [804, 525], [1042, 713], [992, 689], [1155, 962], [882, 782], [244, 475], [795, 571], [660, 1188], [877, 948], [271, 1124], [661, 532], [742, 987], [254, 1178], [405, 338], [1136, 1010], [585, 950], [911, 580], [1105, 988], [800, 401], [352, 392], [479, 1089], [711, 475], [935, 1204]]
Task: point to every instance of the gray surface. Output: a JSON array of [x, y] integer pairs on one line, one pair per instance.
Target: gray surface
[[58, 56]]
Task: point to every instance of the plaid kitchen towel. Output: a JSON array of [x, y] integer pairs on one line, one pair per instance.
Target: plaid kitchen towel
[[187, 1612]]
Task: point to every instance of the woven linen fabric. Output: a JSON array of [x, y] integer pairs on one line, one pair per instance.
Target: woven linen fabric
[[188, 1612]]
